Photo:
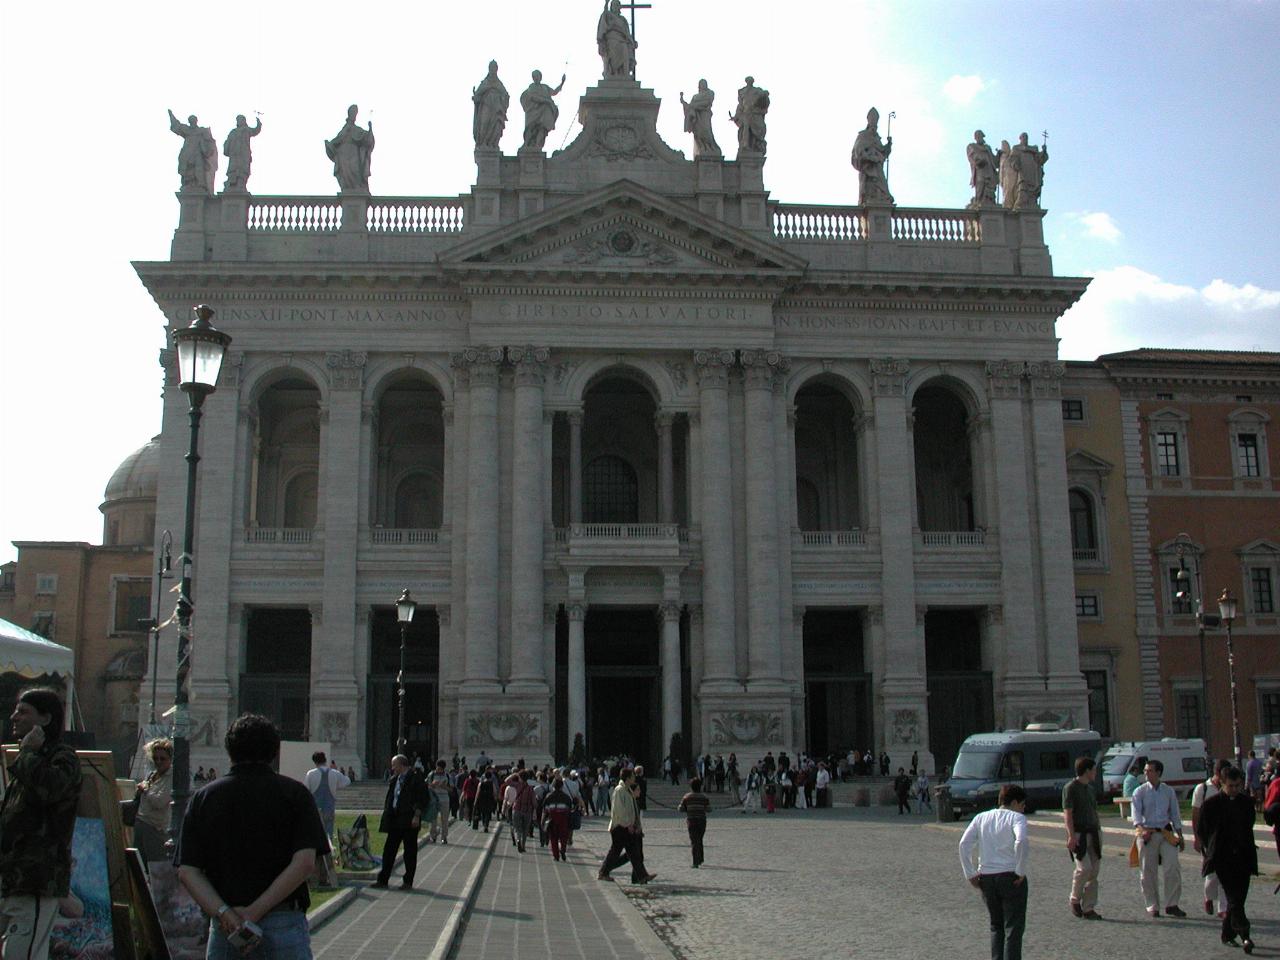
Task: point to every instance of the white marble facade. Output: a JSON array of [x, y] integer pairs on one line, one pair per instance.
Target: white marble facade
[[615, 392]]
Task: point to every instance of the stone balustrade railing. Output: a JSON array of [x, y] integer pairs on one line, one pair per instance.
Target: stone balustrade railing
[[294, 215], [956, 538], [833, 538], [279, 534], [793, 221], [623, 531], [415, 215], [404, 535], [1085, 556], [937, 226]]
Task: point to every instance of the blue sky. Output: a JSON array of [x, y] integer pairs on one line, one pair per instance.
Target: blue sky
[[1162, 121]]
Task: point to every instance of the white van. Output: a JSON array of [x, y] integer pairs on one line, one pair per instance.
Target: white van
[[1186, 763]]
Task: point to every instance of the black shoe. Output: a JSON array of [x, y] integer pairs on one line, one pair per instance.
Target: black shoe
[[1229, 942], [1092, 915], [379, 885], [407, 885], [1248, 945], [1076, 909], [1175, 911]]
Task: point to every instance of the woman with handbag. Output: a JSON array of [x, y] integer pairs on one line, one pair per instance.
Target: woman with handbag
[[151, 823]]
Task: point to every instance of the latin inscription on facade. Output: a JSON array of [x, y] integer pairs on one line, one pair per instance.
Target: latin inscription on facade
[[992, 327], [624, 312], [328, 315]]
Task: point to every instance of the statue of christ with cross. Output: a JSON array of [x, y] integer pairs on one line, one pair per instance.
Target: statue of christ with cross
[[616, 40]]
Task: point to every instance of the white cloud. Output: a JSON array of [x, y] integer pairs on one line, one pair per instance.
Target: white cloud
[[1126, 307], [962, 90], [1098, 225]]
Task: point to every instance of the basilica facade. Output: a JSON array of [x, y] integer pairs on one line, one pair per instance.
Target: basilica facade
[[654, 452]]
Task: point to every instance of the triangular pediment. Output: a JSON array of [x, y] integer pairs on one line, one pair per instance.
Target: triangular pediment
[[623, 228], [1261, 548], [1081, 461]]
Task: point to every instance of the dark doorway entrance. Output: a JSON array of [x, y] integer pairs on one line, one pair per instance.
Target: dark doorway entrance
[[277, 678], [960, 692], [422, 659], [837, 688], [623, 688]]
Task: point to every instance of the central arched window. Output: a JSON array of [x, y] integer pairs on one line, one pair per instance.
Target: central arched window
[[1083, 532], [610, 491]]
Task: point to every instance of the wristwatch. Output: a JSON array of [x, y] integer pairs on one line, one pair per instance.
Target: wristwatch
[[223, 909]]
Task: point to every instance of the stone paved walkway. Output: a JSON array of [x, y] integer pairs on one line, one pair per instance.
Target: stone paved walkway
[[394, 923], [532, 908]]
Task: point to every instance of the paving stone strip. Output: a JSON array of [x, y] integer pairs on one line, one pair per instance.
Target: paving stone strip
[[395, 923]]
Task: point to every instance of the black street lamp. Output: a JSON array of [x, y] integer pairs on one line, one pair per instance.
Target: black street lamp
[[200, 350], [164, 563], [1227, 610], [405, 609], [1203, 620]]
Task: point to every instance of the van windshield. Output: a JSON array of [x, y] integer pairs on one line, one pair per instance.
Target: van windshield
[[974, 764], [1117, 765]]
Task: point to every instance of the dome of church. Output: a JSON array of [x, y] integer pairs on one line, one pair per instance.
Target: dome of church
[[136, 477]]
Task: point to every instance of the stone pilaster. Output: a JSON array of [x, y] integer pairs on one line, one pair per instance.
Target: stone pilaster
[[717, 518], [666, 468], [575, 466], [527, 520], [669, 617], [482, 519], [761, 370], [577, 673], [1021, 685], [904, 699], [334, 685]]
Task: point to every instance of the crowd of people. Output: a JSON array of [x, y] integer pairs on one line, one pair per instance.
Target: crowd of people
[[994, 848]]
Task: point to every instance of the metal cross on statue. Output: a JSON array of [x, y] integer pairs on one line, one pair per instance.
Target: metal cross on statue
[[633, 7]]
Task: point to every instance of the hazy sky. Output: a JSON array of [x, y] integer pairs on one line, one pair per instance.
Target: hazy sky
[[1162, 121]]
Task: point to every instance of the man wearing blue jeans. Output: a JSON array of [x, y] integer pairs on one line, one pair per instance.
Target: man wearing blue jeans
[[999, 838], [249, 843]]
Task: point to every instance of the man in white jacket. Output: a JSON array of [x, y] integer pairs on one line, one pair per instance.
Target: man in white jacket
[[999, 838]]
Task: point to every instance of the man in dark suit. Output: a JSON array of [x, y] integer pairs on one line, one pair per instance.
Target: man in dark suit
[[402, 813]]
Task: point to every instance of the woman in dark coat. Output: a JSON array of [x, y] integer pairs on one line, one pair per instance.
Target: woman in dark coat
[[486, 800], [1225, 832]]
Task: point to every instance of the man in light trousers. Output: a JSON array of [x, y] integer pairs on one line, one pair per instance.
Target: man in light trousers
[[1158, 826], [1084, 838]]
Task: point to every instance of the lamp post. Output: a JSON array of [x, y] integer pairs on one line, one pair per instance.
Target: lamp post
[[200, 348], [405, 609], [1180, 543], [1227, 610]]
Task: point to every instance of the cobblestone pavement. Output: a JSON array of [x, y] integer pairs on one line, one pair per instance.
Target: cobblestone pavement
[[868, 883]]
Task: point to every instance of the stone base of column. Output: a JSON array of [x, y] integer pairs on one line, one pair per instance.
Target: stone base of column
[[334, 720], [748, 722], [1026, 700], [213, 706], [906, 724], [507, 726]]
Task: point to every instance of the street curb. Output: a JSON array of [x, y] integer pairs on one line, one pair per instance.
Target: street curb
[[327, 910], [637, 927], [453, 926]]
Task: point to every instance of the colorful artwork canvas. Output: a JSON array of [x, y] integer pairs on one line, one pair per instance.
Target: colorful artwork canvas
[[83, 928], [186, 928]]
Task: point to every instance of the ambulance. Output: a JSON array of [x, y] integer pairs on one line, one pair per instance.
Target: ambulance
[[1186, 763]]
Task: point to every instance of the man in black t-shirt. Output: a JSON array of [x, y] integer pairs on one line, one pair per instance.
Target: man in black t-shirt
[[249, 842]]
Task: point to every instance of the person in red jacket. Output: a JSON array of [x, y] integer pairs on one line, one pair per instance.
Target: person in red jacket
[[1271, 809], [555, 814]]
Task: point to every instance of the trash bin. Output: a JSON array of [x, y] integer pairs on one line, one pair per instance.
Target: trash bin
[[942, 803]]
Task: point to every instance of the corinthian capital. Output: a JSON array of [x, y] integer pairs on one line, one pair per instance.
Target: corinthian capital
[[530, 364], [763, 367], [712, 366]]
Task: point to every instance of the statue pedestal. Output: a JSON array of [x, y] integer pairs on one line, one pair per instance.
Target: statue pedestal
[[486, 208], [231, 242], [188, 239], [353, 235], [710, 168], [533, 180], [755, 214]]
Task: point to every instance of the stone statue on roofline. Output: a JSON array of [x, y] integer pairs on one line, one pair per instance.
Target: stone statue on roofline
[[540, 111], [239, 155], [697, 120], [1026, 174], [352, 153], [753, 104], [868, 158], [614, 41], [198, 158], [984, 173], [491, 101], [1008, 175]]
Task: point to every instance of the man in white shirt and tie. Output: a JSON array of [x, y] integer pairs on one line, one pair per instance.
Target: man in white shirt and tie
[[1157, 822], [999, 838]]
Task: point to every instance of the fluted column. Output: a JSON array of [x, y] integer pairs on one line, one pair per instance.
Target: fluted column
[[527, 516], [666, 468], [669, 613], [761, 369], [482, 516], [575, 466], [577, 672], [717, 516]]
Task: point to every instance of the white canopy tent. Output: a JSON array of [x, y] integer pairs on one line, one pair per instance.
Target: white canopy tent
[[30, 655]]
